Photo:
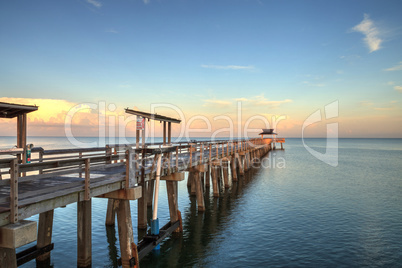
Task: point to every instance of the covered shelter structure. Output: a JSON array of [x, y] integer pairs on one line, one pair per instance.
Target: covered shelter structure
[[171, 186], [141, 116], [274, 141], [12, 110], [268, 131]]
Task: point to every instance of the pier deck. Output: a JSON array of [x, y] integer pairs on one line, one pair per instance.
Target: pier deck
[[57, 178]]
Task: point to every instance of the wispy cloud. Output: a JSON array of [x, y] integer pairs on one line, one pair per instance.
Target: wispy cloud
[[390, 106], [146, 1], [241, 99], [398, 88], [228, 67], [313, 84], [260, 100], [255, 101], [395, 68], [371, 33], [217, 103], [384, 108], [366, 103], [95, 3], [111, 30]]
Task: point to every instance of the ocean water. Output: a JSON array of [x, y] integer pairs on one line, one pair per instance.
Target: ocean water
[[292, 211]]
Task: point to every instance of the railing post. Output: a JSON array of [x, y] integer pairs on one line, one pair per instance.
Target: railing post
[[87, 179], [210, 154], [80, 156], [130, 168], [14, 191], [223, 150], [177, 158], [191, 155], [201, 153], [41, 160], [108, 153]]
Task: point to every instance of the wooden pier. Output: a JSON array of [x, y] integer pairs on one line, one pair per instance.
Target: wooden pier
[[120, 173]]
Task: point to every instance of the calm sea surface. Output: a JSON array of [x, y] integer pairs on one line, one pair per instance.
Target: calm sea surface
[[293, 211]]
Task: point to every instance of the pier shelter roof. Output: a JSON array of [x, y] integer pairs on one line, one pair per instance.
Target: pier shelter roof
[[156, 117], [268, 131], [11, 110]]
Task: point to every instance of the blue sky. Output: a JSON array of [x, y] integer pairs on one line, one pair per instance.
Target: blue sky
[[204, 55]]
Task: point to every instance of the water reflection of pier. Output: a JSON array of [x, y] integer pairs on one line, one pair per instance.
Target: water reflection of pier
[[201, 230]]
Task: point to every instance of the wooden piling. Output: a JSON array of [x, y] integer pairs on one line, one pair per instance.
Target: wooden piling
[[199, 192], [225, 168], [208, 173], [110, 213], [7, 258], [84, 234], [126, 237], [208, 177], [241, 165], [214, 174], [247, 160], [189, 178], [142, 202], [150, 190], [202, 176], [233, 168], [219, 169], [44, 233], [193, 186], [171, 188]]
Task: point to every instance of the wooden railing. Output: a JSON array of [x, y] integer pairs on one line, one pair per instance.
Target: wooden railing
[[85, 162]]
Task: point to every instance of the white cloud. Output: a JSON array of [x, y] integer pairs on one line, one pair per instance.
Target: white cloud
[[371, 32], [398, 88], [228, 67], [95, 3], [395, 68], [146, 1], [111, 30]]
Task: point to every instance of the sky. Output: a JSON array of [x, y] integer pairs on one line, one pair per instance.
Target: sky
[[219, 66]]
